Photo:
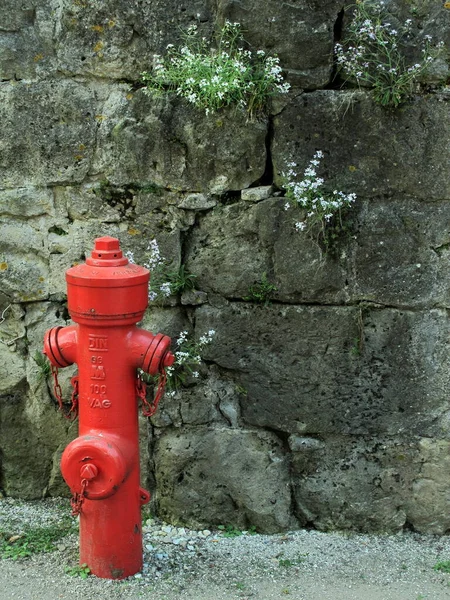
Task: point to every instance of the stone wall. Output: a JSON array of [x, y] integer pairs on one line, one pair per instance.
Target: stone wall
[[327, 407]]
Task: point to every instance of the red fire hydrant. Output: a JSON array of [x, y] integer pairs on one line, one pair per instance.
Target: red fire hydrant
[[107, 296]]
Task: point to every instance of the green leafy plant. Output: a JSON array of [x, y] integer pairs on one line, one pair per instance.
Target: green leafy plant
[[44, 365], [211, 78], [230, 531], [443, 565], [373, 53], [287, 562], [322, 212], [33, 540], [82, 571], [187, 360], [179, 280], [261, 292], [163, 281]]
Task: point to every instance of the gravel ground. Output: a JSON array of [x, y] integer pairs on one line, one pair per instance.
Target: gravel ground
[[180, 563]]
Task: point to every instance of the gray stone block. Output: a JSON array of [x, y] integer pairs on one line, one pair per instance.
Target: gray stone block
[[216, 476], [171, 143], [48, 132], [342, 370], [368, 150]]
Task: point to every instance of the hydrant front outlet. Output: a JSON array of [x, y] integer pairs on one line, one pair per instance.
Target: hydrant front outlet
[[106, 297]]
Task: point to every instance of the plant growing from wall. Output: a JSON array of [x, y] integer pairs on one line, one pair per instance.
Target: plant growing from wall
[[44, 365], [188, 358], [321, 212], [373, 53], [261, 292], [164, 282], [212, 78]]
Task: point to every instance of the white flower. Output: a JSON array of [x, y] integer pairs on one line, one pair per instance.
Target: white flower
[[300, 225], [165, 289]]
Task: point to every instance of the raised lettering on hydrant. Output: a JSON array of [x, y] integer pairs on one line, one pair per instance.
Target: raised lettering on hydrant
[[106, 297]]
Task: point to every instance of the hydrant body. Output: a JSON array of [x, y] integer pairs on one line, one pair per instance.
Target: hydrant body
[[107, 296]]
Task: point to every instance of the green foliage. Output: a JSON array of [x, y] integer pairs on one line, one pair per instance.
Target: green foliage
[[287, 562], [212, 78], [230, 531], [180, 280], [82, 571], [322, 211], [33, 540], [44, 365], [443, 566], [373, 53], [187, 360], [261, 292]]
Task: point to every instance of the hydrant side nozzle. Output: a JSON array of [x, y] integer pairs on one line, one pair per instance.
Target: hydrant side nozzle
[[154, 359], [150, 352], [60, 344]]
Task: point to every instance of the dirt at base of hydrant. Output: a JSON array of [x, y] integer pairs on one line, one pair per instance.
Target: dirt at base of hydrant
[[180, 563]]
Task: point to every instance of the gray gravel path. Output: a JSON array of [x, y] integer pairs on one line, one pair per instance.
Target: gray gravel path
[[186, 564]]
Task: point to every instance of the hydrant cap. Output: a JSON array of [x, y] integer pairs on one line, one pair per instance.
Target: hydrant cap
[[107, 287]]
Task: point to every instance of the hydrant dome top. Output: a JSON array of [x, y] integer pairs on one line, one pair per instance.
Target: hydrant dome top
[[115, 269], [107, 288]]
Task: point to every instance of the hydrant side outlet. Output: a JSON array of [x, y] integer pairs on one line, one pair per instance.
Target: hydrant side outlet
[[107, 296]]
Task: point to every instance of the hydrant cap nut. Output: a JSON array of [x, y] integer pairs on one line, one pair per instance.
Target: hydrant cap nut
[[88, 471], [169, 359], [106, 243], [107, 252]]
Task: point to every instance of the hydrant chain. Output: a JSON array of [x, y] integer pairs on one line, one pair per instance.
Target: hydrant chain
[[149, 408], [76, 502], [73, 411]]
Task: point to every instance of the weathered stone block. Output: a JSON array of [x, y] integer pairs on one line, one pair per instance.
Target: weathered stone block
[[348, 370], [354, 483], [26, 203], [24, 275], [26, 40], [368, 150], [28, 444], [300, 34], [230, 249], [47, 131], [401, 255], [216, 476], [117, 39], [428, 506], [169, 142], [12, 337], [373, 485]]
